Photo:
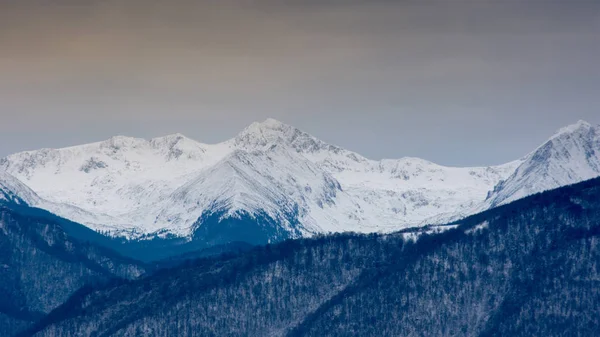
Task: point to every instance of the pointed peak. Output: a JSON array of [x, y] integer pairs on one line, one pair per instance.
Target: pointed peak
[[272, 122], [582, 122], [178, 145], [580, 125], [268, 124], [261, 133], [575, 134]]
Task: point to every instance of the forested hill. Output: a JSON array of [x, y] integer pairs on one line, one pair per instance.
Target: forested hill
[[41, 265], [529, 268]]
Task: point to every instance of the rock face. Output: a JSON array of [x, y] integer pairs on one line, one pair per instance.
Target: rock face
[[41, 265], [290, 182], [529, 268]]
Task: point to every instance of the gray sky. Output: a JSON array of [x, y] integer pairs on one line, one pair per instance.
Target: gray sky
[[458, 82]]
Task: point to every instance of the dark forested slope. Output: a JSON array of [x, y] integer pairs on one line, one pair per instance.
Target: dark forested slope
[[41, 265], [528, 268]]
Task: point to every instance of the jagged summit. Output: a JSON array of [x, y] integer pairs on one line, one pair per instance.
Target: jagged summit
[[579, 126], [271, 131], [260, 134], [273, 123]]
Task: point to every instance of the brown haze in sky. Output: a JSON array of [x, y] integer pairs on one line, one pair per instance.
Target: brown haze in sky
[[456, 82]]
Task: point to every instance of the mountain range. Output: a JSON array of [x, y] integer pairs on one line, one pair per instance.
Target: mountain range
[[272, 182], [528, 268]]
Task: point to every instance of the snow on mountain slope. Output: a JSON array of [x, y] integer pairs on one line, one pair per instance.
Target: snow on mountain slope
[[330, 157], [391, 194], [276, 182], [304, 184], [415, 191], [14, 191], [570, 156]]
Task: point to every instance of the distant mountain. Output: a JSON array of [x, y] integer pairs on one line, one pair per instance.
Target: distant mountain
[[571, 155], [41, 264], [529, 268], [274, 181], [152, 248]]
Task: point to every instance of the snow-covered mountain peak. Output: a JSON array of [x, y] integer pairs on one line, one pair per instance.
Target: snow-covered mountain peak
[[273, 124], [578, 138], [276, 170], [266, 133], [270, 167], [177, 145], [330, 157], [580, 127], [261, 134], [569, 156], [171, 140], [271, 131]]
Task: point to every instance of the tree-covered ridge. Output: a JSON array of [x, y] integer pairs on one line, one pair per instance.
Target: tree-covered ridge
[[527, 268], [41, 265]]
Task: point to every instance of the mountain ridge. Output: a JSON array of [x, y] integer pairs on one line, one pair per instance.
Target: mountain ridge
[[133, 185], [570, 155]]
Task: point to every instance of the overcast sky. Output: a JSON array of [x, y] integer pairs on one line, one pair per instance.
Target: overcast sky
[[458, 82]]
